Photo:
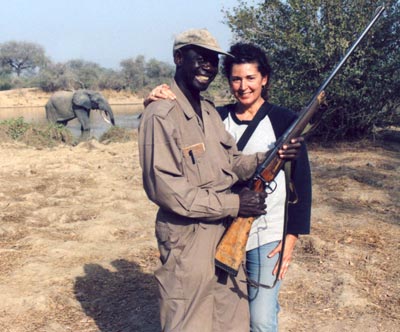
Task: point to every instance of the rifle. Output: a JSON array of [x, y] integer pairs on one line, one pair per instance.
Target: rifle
[[232, 247]]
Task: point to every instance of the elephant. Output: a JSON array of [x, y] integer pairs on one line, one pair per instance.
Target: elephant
[[64, 106]]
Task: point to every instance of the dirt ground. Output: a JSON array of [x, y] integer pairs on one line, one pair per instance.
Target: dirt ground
[[77, 248]]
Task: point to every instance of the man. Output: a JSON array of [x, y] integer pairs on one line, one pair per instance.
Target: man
[[189, 164]]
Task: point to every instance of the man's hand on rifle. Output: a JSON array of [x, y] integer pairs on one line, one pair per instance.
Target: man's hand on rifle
[[291, 151], [252, 204]]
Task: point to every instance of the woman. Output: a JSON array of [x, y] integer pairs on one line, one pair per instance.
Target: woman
[[248, 73]]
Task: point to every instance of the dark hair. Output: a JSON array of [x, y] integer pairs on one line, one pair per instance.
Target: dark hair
[[247, 53]]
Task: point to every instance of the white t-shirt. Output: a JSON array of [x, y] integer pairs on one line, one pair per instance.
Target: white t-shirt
[[269, 227]]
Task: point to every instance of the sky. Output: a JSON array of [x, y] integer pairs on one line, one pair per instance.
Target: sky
[[108, 31]]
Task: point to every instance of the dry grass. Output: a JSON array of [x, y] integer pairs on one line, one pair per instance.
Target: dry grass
[[77, 247]]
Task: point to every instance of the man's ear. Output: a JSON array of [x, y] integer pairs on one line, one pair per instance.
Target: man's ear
[[178, 57]]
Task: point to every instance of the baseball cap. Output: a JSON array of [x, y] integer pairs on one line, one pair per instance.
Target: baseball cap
[[198, 37]]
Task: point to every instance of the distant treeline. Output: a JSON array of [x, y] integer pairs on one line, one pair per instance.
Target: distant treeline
[[25, 64]]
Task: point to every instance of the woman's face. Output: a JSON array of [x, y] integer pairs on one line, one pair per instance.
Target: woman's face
[[246, 83]]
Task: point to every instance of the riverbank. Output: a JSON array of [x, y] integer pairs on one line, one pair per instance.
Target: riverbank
[[32, 97]]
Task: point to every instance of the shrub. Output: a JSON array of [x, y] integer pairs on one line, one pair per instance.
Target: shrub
[[37, 135], [118, 134], [15, 128]]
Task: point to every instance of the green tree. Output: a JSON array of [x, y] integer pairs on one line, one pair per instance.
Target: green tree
[[157, 70], [133, 71], [306, 39], [112, 79], [141, 75], [72, 75], [85, 74], [55, 76], [22, 57], [5, 80]]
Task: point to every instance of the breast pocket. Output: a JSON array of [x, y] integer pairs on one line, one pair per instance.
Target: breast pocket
[[197, 165]]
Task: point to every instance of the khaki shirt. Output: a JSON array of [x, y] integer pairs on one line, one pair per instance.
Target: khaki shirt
[[189, 164]]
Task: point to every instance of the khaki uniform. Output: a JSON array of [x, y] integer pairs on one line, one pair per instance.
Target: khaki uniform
[[189, 165]]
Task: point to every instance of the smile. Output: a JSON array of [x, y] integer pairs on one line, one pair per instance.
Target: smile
[[202, 78]]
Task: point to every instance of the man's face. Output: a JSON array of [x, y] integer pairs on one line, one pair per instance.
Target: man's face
[[197, 67]]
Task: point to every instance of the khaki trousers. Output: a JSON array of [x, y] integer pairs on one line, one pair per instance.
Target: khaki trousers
[[194, 297]]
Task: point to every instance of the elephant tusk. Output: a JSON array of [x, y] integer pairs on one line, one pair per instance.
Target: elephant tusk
[[104, 115]]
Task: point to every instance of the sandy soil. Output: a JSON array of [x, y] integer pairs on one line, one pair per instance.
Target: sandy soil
[[77, 248]]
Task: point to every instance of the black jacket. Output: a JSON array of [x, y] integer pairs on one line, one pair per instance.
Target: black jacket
[[299, 214]]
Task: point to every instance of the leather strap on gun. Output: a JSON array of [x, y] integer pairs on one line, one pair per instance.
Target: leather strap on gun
[[232, 247]]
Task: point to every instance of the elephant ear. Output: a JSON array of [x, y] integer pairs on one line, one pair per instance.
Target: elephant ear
[[82, 99]]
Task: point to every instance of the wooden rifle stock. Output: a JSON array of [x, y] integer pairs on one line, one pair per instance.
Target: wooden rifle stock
[[232, 247]]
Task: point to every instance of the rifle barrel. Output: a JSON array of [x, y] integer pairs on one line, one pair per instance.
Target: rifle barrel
[[305, 115], [378, 13]]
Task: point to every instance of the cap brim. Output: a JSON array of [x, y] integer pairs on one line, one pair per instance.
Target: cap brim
[[214, 49]]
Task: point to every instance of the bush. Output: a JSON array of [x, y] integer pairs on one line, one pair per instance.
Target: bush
[[118, 134], [304, 41], [15, 128], [5, 82], [37, 135]]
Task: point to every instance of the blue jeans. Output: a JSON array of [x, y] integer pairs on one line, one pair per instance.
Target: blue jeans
[[264, 306]]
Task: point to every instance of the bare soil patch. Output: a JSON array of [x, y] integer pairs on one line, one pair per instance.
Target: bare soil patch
[[77, 247]]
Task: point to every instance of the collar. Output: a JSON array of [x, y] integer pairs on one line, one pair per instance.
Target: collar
[[184, 103]]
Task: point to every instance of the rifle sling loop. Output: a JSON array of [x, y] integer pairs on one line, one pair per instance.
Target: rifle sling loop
[[291, 191], [256, 284]]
